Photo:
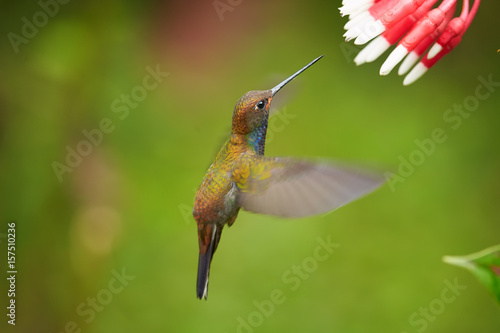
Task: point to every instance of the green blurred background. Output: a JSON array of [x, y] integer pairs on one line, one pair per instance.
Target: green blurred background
[[126, 206]]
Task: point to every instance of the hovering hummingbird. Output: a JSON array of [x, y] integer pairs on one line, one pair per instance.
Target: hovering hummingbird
[[241, 177]]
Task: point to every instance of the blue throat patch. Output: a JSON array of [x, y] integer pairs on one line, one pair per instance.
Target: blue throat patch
[[257, 138]]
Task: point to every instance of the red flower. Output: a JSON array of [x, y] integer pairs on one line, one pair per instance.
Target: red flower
[[414, 24]]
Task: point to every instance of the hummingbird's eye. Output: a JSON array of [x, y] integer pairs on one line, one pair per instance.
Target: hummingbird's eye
[[262, 104]]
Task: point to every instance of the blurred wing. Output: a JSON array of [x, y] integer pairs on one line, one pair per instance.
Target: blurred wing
[[293, 188]]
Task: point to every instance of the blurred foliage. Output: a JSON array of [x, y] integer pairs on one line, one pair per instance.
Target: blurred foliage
[[123, 206], [485, 265]]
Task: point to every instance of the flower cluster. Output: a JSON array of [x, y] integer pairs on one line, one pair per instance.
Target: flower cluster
[[415, 25]]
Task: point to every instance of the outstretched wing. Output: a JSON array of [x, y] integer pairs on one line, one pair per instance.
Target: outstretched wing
[[289, 187]]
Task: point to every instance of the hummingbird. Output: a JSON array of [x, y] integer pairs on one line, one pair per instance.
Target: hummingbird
[[242, 177]]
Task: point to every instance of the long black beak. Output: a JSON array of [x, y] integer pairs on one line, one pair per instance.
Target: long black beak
[[282, 84]]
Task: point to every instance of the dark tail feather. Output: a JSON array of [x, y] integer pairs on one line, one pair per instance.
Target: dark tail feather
[[203, 272], [205, 259]]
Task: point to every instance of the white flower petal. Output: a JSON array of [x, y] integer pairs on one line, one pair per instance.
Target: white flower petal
[[364, 53], [417, 71], [435, 49], [370, 30], [393, 59], [356, 20], [380, 46], [410, 60]]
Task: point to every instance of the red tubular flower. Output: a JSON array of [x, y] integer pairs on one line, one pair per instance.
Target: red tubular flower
[[389, 37], [414, 24], [414, 55]]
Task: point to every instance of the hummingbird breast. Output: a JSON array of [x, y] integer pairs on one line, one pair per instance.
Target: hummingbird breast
[[217, 198]]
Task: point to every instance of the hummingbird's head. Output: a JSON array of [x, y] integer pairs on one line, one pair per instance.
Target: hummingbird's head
[[251, 111]]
